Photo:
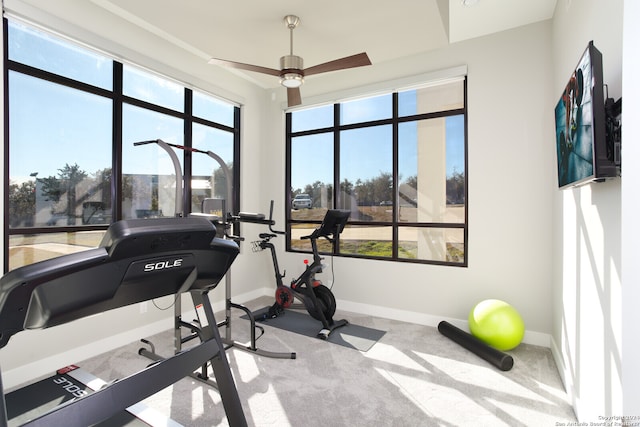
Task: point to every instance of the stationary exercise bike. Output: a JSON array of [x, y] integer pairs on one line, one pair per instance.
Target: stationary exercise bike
[[316, 298]]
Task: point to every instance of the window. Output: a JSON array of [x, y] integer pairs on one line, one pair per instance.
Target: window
[[212, 109], [60, 163], [40, 50], [149, 181], [397, 161], [208, 178], [73, 168], [153, 89]]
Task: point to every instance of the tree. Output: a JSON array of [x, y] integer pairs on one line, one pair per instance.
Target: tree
[[54, 187], [378, 189], [408, 191], [220, 182], [455, 188], [382, 187], [103, 185], [346, 192], [316, 191], [363, 192], [51, 188], [22, 203]]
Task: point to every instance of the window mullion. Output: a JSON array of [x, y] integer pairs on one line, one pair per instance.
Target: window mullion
[[287, 189], [188, 156], [395, 174], [116, 162], [336, 157]]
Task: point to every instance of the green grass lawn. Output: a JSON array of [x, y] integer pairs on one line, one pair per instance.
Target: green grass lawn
[[381, 248]]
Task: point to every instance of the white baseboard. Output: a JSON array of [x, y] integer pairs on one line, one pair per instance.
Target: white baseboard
[[48, 365], [530, 337]]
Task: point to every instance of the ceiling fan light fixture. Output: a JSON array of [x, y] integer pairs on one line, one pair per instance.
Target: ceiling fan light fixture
[[291, 80], [291, 75]]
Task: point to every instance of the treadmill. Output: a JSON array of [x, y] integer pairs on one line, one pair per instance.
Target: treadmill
[[137, 260]]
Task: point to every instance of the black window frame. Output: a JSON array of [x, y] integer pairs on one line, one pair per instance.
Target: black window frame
[[395, 224], [118, 99]]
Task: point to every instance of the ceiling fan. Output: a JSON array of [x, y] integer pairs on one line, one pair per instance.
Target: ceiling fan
[[291, 70]]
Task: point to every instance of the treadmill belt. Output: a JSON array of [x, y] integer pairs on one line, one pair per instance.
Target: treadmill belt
[[69, 383]]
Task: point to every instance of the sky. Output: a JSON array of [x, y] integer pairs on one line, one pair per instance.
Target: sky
[[367, 152], [73, 127]]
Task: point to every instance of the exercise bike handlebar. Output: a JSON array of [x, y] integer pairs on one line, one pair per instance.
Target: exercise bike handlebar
[[332, 225]]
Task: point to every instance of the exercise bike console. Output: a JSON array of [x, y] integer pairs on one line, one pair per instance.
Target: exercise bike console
[[332, 225]]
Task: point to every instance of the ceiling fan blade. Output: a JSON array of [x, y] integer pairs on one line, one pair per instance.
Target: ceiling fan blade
[[293, 96], [248, 67], [358, 60]]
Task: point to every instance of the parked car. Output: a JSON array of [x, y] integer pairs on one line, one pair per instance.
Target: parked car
[[301, 201]]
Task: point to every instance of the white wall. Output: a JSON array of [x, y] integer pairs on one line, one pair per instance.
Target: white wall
[[587, 290], [630, 209], [511, 178], [2, 153]]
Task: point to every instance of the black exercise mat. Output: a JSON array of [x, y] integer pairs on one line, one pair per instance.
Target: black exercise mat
[[352, 336]]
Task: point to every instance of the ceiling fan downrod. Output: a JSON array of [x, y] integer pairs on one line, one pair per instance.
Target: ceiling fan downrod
[[291, 65], [292, 22]]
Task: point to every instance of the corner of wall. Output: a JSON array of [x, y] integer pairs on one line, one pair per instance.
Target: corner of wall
[[565, 376], [2, 171], [587, 298]]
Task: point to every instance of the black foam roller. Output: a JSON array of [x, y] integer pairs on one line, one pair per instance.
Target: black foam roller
[[492, 355]]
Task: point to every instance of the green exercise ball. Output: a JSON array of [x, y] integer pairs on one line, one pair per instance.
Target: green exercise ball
[[496, 323]]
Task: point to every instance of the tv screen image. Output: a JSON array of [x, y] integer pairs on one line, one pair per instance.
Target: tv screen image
[[582, 148], [574, 126]]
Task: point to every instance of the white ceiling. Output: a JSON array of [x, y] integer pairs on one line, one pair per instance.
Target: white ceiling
[[253, 31]]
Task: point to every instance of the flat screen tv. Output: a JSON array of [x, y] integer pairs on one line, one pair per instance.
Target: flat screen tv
[[586, 150]]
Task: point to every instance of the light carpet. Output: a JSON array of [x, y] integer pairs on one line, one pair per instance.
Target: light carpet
[[413, 376]]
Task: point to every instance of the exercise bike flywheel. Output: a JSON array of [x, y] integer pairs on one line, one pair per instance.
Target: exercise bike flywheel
[[326, 302]]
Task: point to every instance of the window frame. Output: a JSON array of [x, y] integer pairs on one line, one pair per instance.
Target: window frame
[[336, 128], [118, 100]]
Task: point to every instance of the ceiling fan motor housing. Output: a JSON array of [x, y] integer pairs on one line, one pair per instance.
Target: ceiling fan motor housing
[[291, 63], [291, 74]]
